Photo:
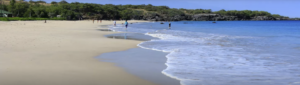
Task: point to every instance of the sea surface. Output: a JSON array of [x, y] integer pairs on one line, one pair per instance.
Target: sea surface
[[226, 52]]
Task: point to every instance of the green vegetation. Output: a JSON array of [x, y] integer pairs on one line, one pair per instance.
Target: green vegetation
[[23, 19], [246, 14], [39, 10]]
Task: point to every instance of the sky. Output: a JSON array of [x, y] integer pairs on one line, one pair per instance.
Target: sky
[[288, 8]]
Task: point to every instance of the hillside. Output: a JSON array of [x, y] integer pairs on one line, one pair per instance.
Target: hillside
[[5, 2], [76, 10]]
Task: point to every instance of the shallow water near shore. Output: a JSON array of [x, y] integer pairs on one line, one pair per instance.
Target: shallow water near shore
[[144, 63], [231, 53], [131, 36]]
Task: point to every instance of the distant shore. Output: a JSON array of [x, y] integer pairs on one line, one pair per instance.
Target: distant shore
[[208, 18]]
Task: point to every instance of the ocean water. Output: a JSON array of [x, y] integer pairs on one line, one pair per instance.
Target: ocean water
[[226, 52]]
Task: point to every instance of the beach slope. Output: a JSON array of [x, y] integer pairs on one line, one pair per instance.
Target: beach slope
[[60, 53]]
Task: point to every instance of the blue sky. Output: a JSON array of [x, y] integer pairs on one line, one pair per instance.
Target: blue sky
[[283, 7]]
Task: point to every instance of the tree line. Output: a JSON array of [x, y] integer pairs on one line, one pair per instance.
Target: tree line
[[76, 10]]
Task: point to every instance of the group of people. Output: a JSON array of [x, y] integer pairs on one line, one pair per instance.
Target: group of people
[[97, 21], [126, 23]]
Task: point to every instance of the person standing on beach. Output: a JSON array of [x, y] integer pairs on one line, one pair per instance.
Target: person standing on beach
[[126, 24], [115, 23], [169, 25]]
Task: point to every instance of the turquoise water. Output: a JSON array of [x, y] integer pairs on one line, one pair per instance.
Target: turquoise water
[[227, 52]]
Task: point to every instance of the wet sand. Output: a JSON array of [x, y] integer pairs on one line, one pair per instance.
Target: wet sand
[[144, 63]]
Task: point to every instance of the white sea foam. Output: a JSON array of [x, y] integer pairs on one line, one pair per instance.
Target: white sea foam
[[209, 59], [195, 62]]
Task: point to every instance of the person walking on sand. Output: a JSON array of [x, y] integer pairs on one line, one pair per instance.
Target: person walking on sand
[[126, 24], [169, 25]]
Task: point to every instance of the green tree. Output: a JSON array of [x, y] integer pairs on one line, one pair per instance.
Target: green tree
[[150, 7], [20, 8], [63, 2], [40, 2], [126, 14], [277, 16], [12, 7], [31, 1], [137, 14], [76, 10], [111, 11], [53, 3]]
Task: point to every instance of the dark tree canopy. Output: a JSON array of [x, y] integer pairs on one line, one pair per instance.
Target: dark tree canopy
[[63, 2], [76, 10], [53, 2], [31, 1], [40, 1]]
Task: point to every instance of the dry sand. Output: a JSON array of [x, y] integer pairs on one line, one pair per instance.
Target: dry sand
[[60, 53]]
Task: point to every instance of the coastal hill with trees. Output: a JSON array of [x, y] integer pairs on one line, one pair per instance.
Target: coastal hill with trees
[[76, 11]]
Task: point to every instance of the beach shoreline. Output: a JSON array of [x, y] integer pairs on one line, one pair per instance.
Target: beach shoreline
[[145, 63], [61, 53]]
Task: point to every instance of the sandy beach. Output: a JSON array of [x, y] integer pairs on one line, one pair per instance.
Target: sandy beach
[[61, 53]]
